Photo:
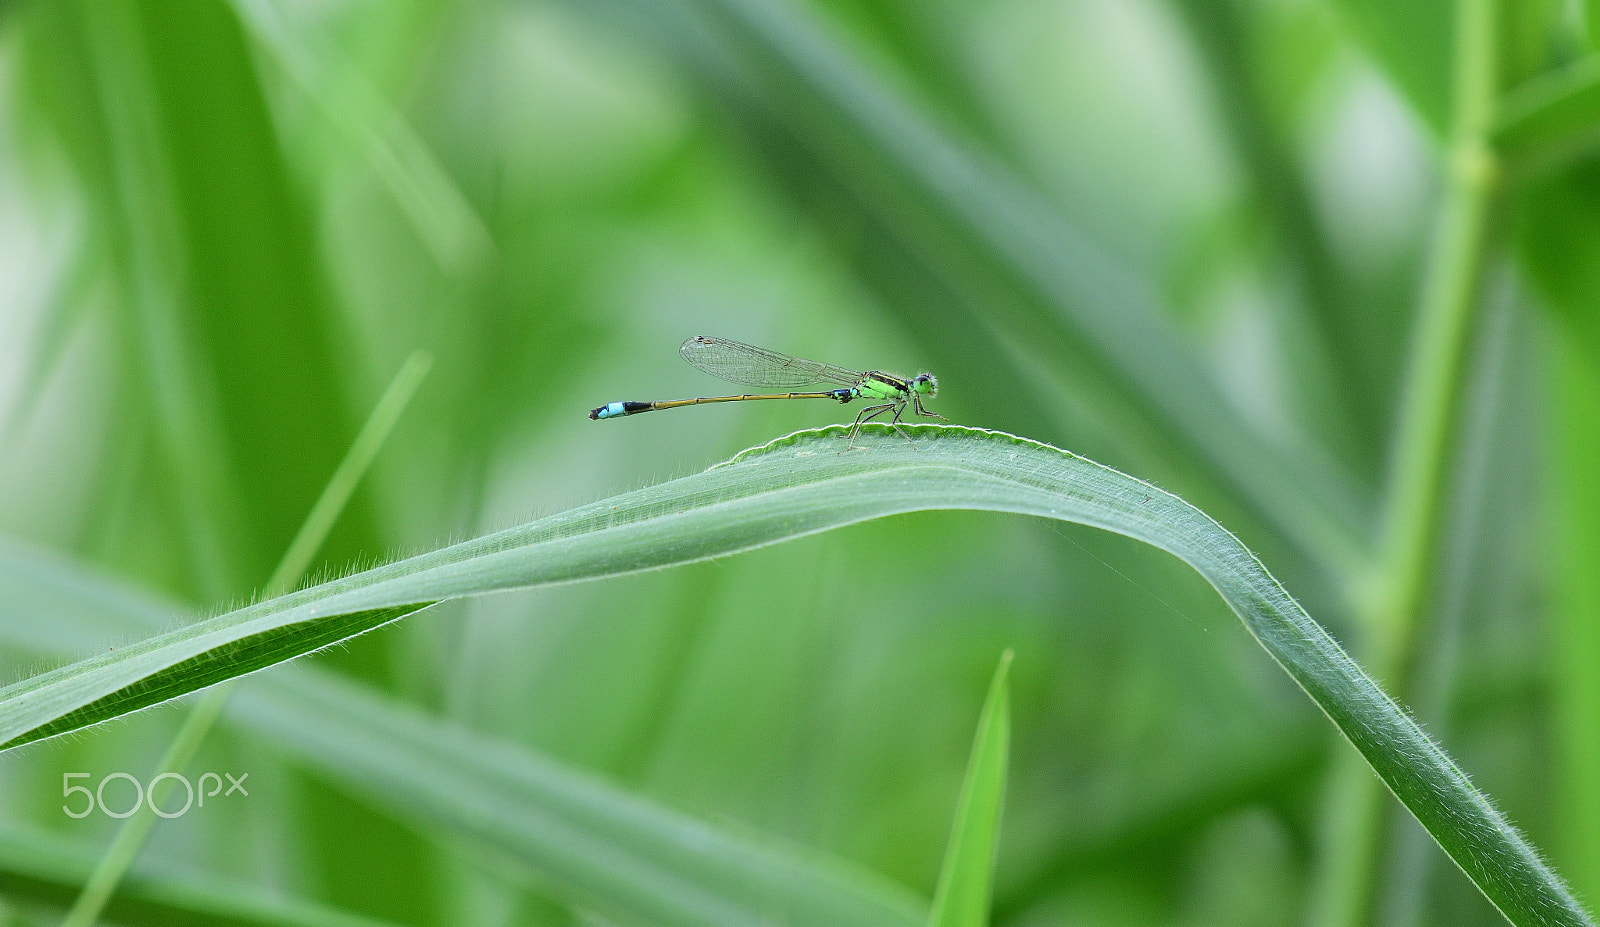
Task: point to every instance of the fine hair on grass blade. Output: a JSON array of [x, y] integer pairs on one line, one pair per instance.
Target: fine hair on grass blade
[[800, 485]]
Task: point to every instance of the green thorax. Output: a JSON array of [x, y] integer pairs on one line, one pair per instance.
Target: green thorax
[[882, 386]]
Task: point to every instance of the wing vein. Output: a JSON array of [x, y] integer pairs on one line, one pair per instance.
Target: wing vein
[[737, 362]]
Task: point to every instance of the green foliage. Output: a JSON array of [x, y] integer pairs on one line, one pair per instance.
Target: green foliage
[[792, 487], [1327, 271]]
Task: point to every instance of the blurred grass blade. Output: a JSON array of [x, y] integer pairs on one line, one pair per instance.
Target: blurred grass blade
[[596, 846], [439, 212], [1576, 619], [965, 880], [222, 312], [1221, 33], [1411, 42], [799, 485], [129, 168], [43, 869], [59, 324], [1551, 117]]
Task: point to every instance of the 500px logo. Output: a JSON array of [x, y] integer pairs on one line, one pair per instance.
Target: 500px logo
[[197, 794]]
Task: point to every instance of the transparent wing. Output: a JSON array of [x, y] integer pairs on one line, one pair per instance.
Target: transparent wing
[[746, 364]]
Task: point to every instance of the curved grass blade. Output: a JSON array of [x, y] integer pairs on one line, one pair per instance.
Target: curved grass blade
[[633, 859], [168, 666], [799, 485], [965, 880]]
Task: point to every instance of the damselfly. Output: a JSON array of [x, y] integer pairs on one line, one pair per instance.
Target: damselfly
[[748, 365]]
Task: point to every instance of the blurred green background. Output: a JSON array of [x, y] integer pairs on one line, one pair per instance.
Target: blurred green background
[[1187, 238]]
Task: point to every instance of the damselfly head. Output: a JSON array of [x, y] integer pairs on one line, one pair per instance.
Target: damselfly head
[[926, 384]]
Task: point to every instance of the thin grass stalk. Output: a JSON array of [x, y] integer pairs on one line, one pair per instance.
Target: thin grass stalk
[[1396, 596]]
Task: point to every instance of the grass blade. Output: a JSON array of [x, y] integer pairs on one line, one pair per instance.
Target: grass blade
[[1576, 619], [965, 881], [439, 213], [42, 868], [633, 858], [1411, 42], [799, 485], [599, 847], [1552, 117]]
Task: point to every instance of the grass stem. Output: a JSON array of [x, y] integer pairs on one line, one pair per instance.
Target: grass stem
[[1394, 599]]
